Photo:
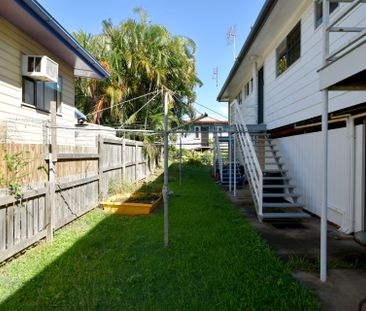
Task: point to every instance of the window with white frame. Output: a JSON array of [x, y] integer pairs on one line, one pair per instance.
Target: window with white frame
[[319, 11], [40, 94], [197, 131]]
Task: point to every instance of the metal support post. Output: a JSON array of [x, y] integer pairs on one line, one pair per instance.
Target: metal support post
[[52, 164], [180, 159], [166, 176], [324, 206], [230, 160], [235, 165]]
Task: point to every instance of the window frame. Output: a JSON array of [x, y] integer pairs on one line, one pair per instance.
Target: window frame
[[219, 130], [197, 131], [289, 50], [239, 98], [318, 12], [39, 87]]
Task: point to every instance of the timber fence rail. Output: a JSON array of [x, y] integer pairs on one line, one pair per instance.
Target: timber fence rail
[[81, 179]]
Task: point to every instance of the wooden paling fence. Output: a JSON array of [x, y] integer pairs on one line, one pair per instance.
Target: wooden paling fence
[[81, 179]]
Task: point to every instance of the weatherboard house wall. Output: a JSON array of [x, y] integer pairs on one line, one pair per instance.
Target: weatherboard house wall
[[293, 98], [13, 44], [193, 138], [26, 28]]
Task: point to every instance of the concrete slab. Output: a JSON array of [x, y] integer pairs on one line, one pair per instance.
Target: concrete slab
[[345, 288]]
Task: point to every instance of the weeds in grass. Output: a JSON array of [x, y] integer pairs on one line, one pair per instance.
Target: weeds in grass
[[303, 263], [120, 186]]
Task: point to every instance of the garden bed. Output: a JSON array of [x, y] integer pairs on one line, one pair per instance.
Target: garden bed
[[139, 203]]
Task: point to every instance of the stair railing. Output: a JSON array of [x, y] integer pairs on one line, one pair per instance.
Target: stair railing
[[219, 156], [251, 164]]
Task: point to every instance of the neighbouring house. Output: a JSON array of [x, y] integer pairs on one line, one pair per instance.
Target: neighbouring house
[[39, 61], [275, 88], [201, 133]]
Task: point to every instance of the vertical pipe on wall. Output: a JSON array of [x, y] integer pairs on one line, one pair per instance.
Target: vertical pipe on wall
[[324, 209]]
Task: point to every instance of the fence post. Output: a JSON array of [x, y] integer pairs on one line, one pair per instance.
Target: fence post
[[52, 163], [100, 166], [124, 158], [136, 162], [146, 156]]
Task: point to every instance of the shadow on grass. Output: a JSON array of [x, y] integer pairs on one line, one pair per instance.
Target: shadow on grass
[[215, 261]]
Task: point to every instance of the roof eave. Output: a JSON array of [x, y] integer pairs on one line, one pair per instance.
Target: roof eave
[[49, 22]]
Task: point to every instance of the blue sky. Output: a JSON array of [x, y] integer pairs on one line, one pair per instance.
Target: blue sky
[[206, 22]]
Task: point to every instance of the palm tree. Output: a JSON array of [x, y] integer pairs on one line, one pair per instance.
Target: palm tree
[[141, 58]]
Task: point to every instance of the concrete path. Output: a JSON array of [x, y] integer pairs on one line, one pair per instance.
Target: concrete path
[[345, 288]]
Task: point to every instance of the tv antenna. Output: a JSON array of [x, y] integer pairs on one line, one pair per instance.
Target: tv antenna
[[215, 75], [231, 38]]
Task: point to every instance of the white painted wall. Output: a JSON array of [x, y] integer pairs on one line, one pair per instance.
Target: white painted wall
[[249, 109], [189, 140], [294, 95], [14, 43], [303, 160]]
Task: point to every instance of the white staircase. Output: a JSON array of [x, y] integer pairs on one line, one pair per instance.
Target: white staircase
[[273, 193]]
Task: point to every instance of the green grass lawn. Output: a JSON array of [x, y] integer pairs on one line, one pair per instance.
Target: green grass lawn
[[215, 261]]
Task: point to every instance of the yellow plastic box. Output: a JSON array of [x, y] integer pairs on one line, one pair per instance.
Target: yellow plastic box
[[119, 204]]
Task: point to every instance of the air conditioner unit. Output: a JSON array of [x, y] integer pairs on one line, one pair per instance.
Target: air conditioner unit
[[39, 67]]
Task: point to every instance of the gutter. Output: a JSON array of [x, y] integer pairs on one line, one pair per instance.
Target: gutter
[[259, 23], [50, 23]]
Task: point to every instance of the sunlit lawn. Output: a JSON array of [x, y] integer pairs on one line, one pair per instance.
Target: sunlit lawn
[[215, 261]]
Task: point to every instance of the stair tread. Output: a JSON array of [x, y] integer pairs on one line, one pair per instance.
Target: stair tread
[[283, 204], [280, 195], [269, 157], [274, 171], [285, 215], [277, 186], [276, 178]]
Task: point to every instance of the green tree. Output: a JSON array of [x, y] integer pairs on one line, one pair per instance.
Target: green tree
[[142, 58]]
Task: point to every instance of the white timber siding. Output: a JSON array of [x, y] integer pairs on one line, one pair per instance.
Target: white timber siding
[[294, 95], [249, 109], [13, 44], [303, 160]]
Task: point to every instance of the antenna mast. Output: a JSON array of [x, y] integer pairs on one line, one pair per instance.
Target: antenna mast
[[215, 75], [231, 38]]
